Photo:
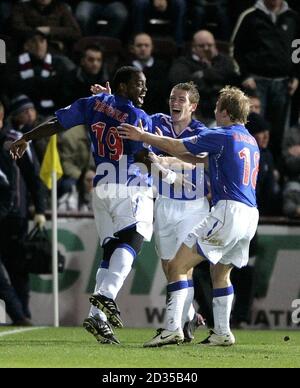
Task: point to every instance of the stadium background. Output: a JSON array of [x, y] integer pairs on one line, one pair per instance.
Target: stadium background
[[142, 299]]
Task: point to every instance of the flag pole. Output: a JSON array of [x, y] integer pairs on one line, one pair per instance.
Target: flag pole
[[51, 170], [54, 248]]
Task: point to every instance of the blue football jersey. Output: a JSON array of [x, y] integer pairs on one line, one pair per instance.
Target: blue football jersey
[[114, 156], [233, 162], [196, 176]]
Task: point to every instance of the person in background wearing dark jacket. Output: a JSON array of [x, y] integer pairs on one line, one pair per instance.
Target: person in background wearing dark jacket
[[263, 50], [7, 292], [92, 70], [291, 158], [268, 189], [112, 11], [154, 69], [209, 69], [173, 10], [18, 180], [51, 17], [23, 116], [36, 73]]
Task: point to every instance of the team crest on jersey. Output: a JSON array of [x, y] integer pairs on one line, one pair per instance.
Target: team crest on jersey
[[193, 139]]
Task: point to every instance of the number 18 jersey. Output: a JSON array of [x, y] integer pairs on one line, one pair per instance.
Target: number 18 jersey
[[233, 162]]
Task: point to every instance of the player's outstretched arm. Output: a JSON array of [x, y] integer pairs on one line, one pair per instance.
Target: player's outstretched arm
[[45, 129], [170, 146], [165, 144]]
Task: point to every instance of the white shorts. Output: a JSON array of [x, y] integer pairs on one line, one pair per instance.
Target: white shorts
[[224, 236], [174, 220], [114, 213]]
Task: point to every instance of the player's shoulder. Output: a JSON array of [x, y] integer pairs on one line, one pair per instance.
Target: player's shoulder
[[197, 126], [161, 120], [161, 116]]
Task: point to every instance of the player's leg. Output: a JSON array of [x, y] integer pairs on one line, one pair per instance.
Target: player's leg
[[128, 246], [223, 295], [132, 222], [185, 259], [97, 323], [193, 214], [236, 234]]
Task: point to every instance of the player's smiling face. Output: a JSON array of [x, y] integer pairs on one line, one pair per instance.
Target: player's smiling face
[[181, 108], [136, 89]]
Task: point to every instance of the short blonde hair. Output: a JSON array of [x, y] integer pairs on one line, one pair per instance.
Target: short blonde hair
[[236, 103], [192, 90]]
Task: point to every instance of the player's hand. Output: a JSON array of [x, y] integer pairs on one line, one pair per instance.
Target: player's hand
[[18, 148], [96, 88], [44, 29], [154, 158], [130, 132], [158, 131], [250, 83], [39, 220]]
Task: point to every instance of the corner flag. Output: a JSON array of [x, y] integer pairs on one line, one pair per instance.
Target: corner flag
[[51, 163], [50, 172]]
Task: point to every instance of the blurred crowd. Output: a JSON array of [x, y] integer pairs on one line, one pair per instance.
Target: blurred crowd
[[58, 49]]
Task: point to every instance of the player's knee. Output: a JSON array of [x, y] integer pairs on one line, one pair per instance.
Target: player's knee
[[176, 268], [109, 248], [220, 275], [132, 238]]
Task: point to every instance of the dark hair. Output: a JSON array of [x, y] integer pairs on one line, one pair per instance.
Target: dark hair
[[92, 47], [124, 75]]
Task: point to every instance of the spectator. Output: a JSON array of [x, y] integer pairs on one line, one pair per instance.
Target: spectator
[[155, 71], [23, 118], [51, 17], [17, 181], [74, 149], [80, 198], [115, 12], [37, 73], [291, 157], [255, 103], [92, 70], [209, 69], [268, 189], [265, 60], [215, 10], [174, 10], [5, 13], [85, 189]]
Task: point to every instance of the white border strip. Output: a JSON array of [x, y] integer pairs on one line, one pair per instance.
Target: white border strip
[[17, 331]]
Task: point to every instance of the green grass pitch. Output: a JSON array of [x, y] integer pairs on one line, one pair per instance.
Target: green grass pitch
[[73, 347]]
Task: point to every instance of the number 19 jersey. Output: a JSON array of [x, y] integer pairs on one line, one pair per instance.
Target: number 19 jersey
[[102, 114]]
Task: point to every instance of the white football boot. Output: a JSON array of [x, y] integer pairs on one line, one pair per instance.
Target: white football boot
[[218, 340], [165, 337]]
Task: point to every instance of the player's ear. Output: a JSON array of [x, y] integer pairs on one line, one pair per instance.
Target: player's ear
[[194, 107], [123, 87]]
